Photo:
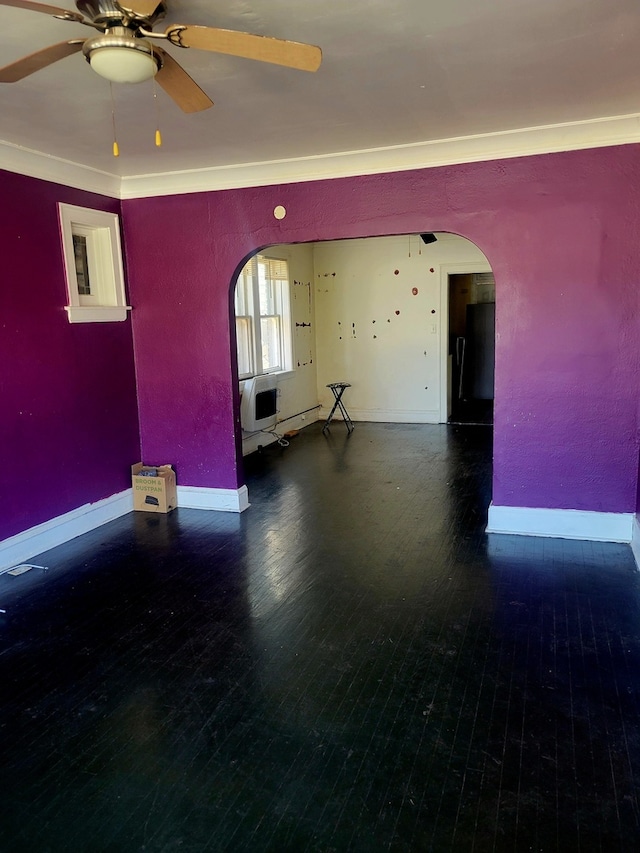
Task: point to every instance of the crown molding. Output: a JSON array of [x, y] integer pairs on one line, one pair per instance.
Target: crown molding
[[572, 136], [36, 164], [523, 142]]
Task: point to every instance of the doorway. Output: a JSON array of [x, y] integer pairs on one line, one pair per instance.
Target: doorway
[[471, 347], [375, 312]]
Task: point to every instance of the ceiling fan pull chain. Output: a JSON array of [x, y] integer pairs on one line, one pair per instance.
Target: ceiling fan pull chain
[[116, 149], [155, 100]]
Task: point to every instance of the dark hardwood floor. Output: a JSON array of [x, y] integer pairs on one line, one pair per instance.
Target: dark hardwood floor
[[350, 665]]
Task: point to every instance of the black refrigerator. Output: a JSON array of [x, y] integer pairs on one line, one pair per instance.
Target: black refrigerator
[[479, 351]]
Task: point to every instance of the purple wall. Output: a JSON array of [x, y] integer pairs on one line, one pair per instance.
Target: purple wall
[[560, 232], [69, 427]]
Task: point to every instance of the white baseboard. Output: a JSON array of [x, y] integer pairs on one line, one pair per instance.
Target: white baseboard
[[254, 440], [222, 500], [56, 531], [562, 523], [298, 422], [23, 546], [635, 540], [387, 416]]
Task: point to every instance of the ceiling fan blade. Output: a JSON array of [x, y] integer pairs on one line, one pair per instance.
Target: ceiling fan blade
[[306, 57], [56, 11], [180, 86], [140, 8], [35, 61]]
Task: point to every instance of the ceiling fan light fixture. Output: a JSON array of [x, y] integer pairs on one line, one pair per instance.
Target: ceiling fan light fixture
[[122, 59], [123, 66]]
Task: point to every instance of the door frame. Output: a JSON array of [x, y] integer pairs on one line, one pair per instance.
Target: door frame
[[445, 271]]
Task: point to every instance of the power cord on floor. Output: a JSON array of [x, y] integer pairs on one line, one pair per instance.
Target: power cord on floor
[[282, 441]]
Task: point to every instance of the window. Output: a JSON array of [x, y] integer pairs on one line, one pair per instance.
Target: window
[[263, 323], [93, 265]]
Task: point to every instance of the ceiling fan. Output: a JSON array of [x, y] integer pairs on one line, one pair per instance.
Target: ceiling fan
[[123, 53]]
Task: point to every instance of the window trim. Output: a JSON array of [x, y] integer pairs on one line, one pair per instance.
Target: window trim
[[107, 301], [252, 303]]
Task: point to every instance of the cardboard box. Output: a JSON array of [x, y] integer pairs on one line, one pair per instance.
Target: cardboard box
[[154, 494]]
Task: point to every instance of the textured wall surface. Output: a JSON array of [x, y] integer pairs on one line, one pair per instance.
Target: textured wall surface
[[379, 318], [560, 233], [69, 427]]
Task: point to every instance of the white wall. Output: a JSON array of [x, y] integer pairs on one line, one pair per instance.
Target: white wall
[[297, 388], [373, 331]]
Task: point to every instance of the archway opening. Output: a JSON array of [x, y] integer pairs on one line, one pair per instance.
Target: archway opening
[[373, 312]]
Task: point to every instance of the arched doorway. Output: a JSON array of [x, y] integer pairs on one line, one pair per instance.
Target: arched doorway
[[374, 312]]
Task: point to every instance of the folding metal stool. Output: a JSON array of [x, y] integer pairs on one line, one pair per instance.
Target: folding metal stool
[[338, 390]]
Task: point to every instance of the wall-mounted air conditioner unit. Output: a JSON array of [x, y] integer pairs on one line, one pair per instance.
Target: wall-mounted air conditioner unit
[[259, 406]]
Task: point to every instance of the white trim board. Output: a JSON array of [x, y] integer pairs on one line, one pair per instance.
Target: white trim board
[[561, 523], [57, 531], [635, 541], [498, 145], [384, 416], [220, 500], [37, 164], [23, 546], [255, 440]]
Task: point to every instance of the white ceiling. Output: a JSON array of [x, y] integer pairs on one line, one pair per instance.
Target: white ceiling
[[394, 72]]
